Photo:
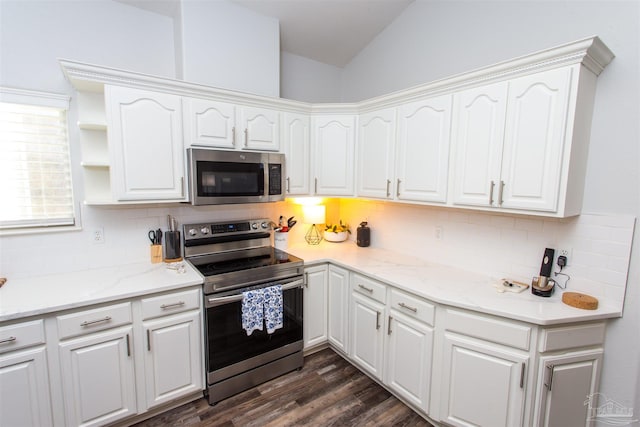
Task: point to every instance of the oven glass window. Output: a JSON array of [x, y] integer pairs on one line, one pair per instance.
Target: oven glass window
[[229, 343], [227, 179]]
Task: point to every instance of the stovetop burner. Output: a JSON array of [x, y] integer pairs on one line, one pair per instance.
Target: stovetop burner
[[242, 261]]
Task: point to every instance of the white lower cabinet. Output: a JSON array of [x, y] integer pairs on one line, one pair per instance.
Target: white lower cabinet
[[338, 298], [172, 357], [25, 399], [314, 329], [367, 334], [483, 384], [98, 377]]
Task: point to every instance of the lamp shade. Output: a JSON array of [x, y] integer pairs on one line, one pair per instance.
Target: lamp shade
[[313, 214]]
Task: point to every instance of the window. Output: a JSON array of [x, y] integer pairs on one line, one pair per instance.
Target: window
[[35, 168]]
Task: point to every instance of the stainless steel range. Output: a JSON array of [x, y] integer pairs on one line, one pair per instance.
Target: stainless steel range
[[235, 257]]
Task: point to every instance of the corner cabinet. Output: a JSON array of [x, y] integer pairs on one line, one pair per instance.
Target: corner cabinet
[[145, 142], [376, 146], [297, 148], [334, 155], [338, 307]]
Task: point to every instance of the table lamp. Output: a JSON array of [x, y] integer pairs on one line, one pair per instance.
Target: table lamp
[[313, 214]]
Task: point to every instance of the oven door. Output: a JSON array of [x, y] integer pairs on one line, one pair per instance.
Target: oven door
[[230, 351]]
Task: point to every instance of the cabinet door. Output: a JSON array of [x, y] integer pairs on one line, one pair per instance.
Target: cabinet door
[[567, 389], [173, 357], [24, 389], [409, 354], [145, 139], [534, 140], [478, 131], [334, 144], [377, 137], [482, 384], [367, 334], [423, 150], [315, 306], [338, 308], [260, 129], [98, 377], [209, 123], [297, 151]]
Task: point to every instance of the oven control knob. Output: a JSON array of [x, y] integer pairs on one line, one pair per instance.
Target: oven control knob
[[264, 225], [204, 230], [254, 225], [193, 232]]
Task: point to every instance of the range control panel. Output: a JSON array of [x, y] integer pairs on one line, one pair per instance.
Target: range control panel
[[232, 228]]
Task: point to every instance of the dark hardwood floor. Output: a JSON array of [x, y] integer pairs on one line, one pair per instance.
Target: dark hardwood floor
[[328, 391]]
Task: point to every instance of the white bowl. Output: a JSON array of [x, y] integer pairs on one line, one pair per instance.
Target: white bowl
[[340, 236]]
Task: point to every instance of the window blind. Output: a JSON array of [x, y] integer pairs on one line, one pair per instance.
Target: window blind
[[35, 168]]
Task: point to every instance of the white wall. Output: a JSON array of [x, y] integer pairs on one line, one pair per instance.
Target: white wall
[[436, 39], [33, 34], [306, 80], [231, 47]]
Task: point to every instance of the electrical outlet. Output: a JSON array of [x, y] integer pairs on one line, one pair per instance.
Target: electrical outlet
[[439, 232], [98, 235], [565, 252]]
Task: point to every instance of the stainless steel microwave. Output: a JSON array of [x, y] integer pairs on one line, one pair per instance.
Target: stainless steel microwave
[[218, 177]]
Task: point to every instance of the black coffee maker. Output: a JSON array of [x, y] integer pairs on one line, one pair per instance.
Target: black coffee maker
[[363, 235]]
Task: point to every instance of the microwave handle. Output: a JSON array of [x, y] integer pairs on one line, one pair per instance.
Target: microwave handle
[[217, 301]]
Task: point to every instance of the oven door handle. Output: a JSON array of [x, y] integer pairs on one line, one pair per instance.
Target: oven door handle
[[217, 301]]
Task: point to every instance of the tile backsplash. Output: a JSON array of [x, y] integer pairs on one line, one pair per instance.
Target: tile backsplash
[[497, 245], [502, 245]]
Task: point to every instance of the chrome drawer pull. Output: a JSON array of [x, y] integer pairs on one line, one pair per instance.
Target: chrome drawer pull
[[403, 305], [175, 304], [377, 320], [8, 340], [92, 322], [361, 286]]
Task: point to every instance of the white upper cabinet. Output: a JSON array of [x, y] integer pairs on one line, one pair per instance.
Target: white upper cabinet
[[334, 145], [376, 146], [296, 133], [209, 123], [145, 142], [260, 129], [534, 140], [478, 135], [509, 142], [422, 164]]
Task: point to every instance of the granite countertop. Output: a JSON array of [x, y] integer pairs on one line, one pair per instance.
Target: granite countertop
[[451, 286], [21, 298]]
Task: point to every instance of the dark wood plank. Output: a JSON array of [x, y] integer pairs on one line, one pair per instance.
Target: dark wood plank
[[328, 391]]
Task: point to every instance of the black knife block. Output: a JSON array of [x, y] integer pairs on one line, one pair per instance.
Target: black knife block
[[172, 246]]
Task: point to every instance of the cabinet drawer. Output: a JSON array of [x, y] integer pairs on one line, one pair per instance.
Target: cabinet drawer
[[412, 306], [21, 335], [571, 337], [369, 287], [489, 328], [175, 302], [97, 319]]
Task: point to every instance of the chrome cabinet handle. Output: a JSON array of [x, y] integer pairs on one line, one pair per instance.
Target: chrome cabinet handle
[[500, 191], [389, 326], [522, 375], [361, 286], [246, 138], [306, 279], [288, 185], [408, 307], [315, 188], [377, 320], [174, 305], [550, 383], [128, 347], [398, 188], [93, 322], [182, 187], [8, 340], [388, 185], [493, 184], [233, 136], [148, 340]]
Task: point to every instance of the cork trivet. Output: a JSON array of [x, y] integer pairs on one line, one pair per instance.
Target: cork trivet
[[578, 300], [3, 280]]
